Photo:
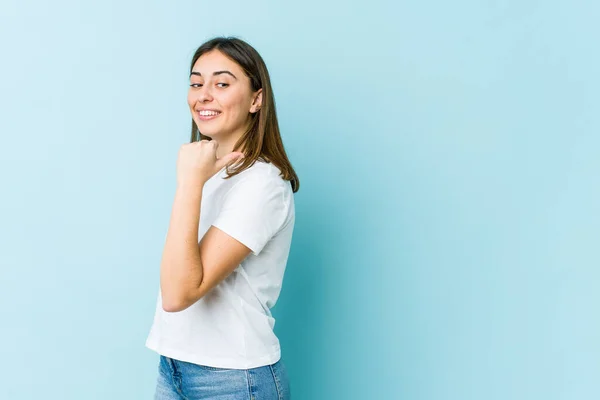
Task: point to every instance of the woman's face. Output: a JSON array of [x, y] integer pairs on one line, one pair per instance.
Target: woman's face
[[220, 96]]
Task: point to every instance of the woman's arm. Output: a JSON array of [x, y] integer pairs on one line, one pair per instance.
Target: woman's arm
[[190, 269], [181, 266]]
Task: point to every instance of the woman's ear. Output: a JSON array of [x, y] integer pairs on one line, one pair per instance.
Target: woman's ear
[[257, 102]]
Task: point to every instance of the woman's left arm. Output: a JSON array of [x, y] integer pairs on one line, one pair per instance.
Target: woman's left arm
[[189, 269]]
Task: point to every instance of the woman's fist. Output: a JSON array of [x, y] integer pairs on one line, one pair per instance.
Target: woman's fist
[[197, 162]]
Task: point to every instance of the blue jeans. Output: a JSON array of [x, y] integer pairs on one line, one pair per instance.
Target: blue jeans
[[180, 380]]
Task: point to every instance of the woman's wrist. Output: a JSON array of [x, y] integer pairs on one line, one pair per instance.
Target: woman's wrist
[[191, 186]]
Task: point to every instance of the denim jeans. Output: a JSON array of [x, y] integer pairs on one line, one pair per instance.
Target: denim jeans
[[180, 380]]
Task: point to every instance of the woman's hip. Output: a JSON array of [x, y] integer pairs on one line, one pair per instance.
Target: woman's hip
[[184, 380]]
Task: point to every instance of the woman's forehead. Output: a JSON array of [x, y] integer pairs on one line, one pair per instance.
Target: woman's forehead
[[215, 61]]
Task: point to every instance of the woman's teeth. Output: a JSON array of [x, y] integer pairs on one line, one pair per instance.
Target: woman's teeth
[[208, 113]]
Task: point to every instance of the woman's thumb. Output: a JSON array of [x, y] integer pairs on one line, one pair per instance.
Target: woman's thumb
[[229, 158]]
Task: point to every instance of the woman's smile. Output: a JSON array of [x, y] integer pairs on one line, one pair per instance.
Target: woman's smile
[[207, 115]]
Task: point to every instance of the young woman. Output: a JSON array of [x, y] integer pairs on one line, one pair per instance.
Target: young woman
[[235, 192]]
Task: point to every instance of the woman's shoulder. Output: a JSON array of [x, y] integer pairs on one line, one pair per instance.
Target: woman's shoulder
[[263, 171], [259, 183]]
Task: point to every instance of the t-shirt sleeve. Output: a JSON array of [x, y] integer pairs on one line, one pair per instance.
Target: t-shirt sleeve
[[252, 212]]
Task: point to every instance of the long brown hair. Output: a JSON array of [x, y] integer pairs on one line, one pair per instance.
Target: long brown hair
[[262, 139]]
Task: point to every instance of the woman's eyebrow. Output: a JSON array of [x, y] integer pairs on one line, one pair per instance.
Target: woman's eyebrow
[[214, 73]]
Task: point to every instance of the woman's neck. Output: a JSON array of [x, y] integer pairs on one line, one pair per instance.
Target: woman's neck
[[225, 145]]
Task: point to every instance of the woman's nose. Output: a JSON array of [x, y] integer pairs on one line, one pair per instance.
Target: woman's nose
[[204, 94]]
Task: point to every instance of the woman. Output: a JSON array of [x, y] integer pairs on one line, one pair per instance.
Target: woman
[[213, 327]]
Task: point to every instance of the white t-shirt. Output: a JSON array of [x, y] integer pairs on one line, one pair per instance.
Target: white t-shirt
[[232, 326]]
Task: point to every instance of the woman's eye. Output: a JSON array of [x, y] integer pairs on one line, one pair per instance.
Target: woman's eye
[[195, 85], [224, 84]]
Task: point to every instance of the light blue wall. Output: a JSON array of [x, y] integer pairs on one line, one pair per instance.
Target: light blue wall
[[446, 243]]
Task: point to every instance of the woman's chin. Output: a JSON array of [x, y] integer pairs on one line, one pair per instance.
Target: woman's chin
[[207, 130], [209, 133]]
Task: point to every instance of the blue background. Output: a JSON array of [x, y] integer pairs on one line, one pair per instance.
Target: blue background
[[446, 243]]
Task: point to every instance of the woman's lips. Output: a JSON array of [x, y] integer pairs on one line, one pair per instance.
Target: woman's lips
[[207, 117]]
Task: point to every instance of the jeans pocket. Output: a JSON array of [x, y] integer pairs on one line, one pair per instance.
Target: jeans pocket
[[281, 379], [214, 369]]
